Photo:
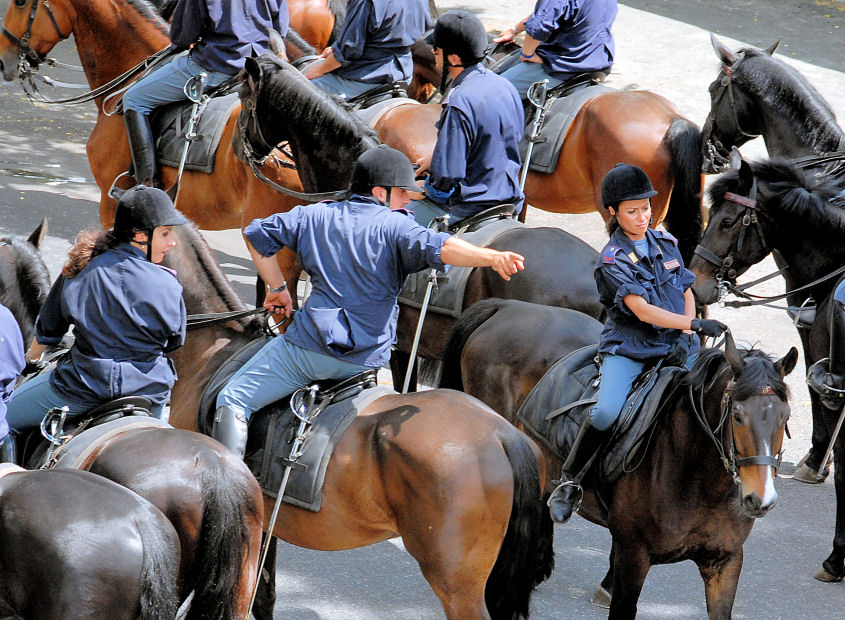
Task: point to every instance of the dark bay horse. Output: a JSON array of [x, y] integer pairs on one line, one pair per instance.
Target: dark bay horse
[[209, 495], [76, 545], [680, 503], [796, 219], [326, 138], [757, 94], [455, 481]]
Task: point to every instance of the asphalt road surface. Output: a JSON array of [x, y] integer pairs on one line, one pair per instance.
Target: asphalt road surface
[[44, 173]]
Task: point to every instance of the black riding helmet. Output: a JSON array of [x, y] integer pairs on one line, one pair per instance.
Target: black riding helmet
[[144, 209], [461, 33], [625, 182], [385, 167]]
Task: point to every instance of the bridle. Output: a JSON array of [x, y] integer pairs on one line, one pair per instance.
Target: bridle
[[26, 52], [719, 153]]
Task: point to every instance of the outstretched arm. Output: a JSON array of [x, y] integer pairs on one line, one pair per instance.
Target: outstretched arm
[[461, 253]]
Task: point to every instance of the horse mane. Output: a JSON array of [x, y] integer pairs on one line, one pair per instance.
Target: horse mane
[[758, 373], [287, 92], [795, 195], [295, 39], [338, 9], [165, 8], [149, 12], [788, 92]]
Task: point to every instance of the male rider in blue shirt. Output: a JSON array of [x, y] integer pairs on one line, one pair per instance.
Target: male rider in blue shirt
[[11, 365], [373, 48], [475, 163], [358, 252]]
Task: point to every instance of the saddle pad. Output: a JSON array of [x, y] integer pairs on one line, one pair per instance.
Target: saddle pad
[[575, 379], [374, 113], [170, 123], [556, 123], [305, 484], [73, 453], [448, 296]]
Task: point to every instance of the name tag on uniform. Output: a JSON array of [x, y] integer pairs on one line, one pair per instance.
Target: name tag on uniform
[[633, 257], [671, 264]]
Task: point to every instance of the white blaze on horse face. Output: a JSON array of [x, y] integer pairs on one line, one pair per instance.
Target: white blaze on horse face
[[771, 495]]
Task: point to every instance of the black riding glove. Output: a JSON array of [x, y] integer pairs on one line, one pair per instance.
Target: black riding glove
[[679, 352], [708, 327]]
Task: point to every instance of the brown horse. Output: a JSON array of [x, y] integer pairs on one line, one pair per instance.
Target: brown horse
[[454, 480], [76, 545], [112, 36], [707, 473]]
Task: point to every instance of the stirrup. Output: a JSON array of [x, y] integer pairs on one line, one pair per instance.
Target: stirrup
[[116, 192], [576, 504]]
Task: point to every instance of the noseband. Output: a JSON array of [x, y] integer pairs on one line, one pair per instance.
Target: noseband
[[719, 153], [27, 53]]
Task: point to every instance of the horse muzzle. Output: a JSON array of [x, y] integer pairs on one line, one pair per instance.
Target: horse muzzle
[[705, 289], [9, 64]]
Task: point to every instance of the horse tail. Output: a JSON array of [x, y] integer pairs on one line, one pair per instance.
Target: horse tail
[[229, 507], [159, 569], [467, 323], [338, 9], [683, 217], [526, 558]]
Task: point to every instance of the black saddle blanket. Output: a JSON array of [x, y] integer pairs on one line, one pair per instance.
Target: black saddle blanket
[[171, 122], [557, 406]]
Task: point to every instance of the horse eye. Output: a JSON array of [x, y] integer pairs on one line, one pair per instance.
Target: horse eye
[[20, 3], [727, 224], [738, 418]]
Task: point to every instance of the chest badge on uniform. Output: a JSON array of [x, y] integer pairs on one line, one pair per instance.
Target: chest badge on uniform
[[633, 256], [671, 264]]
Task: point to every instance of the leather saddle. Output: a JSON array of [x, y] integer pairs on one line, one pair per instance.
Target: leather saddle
[[557, 406], [394, 90]]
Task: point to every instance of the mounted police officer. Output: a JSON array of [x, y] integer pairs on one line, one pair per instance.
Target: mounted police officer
[[645, 287], [475, 163], [827, 376], [563, 39], [11, 364], [373, 47], [358, 252], [221, 34], [126, 312]]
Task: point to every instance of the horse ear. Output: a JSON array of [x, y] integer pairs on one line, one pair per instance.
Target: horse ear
[[746, 176], [722, 51], [771, 49], [733, 355], [277, 45], [38, 234], [786, 364], [253, 72], [735, 158]]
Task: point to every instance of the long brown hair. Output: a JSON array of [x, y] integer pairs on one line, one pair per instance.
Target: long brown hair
[[89, 243]]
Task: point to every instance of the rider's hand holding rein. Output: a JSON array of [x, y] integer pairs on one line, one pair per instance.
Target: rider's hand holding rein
[[278, 299]]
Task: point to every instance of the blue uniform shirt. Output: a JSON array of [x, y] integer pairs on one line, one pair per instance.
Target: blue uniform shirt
[[126, 312], [358, 254], [475, 164], [11, 362], [660, 278], [226, 32], [575, 35], [374, 45]]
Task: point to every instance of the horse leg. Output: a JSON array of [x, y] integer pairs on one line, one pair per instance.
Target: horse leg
[[833, 568], [629, 570], [399, 361], [721, 576], [265, 596], [604, 593]]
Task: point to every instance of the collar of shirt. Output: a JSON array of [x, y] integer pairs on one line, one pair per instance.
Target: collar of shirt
[[474, 69], [624, 241]]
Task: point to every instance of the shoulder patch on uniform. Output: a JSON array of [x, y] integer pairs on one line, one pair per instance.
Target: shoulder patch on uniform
[[609, 254]]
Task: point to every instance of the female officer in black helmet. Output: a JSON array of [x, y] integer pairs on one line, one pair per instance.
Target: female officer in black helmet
[[645, 287], [126, 311]]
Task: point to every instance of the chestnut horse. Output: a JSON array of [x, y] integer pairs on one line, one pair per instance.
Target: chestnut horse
[[455, 481], [680, 502], [76, 545], [209, 495], [795, 218]]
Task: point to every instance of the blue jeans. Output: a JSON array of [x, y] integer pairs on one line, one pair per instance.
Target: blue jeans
[[32, 400], [839, 293], [335, 85], [427, 210], [523, 74], [277, 370], [165, 84]]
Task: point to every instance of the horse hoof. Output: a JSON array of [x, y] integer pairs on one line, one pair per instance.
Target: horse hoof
[[808, 476], [822, 575], [601, 598]]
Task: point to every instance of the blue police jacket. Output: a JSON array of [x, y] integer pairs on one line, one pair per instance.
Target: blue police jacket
[[11, 362], [475, 164], [660, 278], [226, 32], [126, 314], [575, 35], [374, 45], [358, 253]]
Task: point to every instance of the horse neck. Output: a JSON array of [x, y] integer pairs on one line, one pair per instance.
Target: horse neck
[[112, 36]]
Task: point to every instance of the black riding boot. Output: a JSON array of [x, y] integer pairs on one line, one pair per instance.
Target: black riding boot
[[566, 498], [827, 376], [8, 451], [142, 146], [231, 429]]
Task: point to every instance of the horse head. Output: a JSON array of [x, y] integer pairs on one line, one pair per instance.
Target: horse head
[[31, 29], [734, 116], [24, 279]]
